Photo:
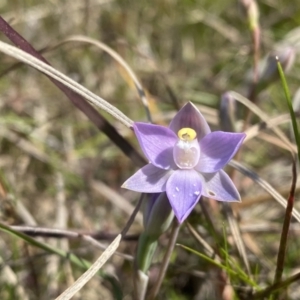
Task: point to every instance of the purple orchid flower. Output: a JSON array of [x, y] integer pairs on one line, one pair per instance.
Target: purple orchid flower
[[186, 161]]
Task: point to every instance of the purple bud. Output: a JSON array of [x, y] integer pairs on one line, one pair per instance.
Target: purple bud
[[268, 70], [158, 215], [227, 112], [286, 57]]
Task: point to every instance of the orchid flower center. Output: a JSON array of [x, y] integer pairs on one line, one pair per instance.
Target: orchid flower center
[[186, 151]]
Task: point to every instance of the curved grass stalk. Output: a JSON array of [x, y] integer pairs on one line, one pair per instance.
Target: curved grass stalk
[[74, 86], [265, 185], [119, 60], [82, 263], [263, 116], [85, 277]]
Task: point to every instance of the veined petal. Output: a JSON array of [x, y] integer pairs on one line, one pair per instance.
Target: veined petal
[[148, 179], [184, 189], [220, 187], [157, 143], [190, 117], [217, 149]]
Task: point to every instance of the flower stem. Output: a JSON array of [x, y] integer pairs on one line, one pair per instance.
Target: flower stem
[[140, 284], [166, 260]]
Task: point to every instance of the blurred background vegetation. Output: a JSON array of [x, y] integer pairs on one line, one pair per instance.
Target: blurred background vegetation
[[57, 170]]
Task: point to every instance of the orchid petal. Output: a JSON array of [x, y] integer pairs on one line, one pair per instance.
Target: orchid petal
[[148, 179], [217, 149], [157, 143], [184, 190], [190, 117], [182, 183], [220, 187]]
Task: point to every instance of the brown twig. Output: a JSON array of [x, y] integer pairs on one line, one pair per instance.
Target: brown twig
[[46, 232], [236, 233], [275, 287], [285, 227], [166, 260]]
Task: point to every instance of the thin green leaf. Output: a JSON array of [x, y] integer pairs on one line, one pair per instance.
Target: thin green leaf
[[290, 106], [82, 263], [243, 276]]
